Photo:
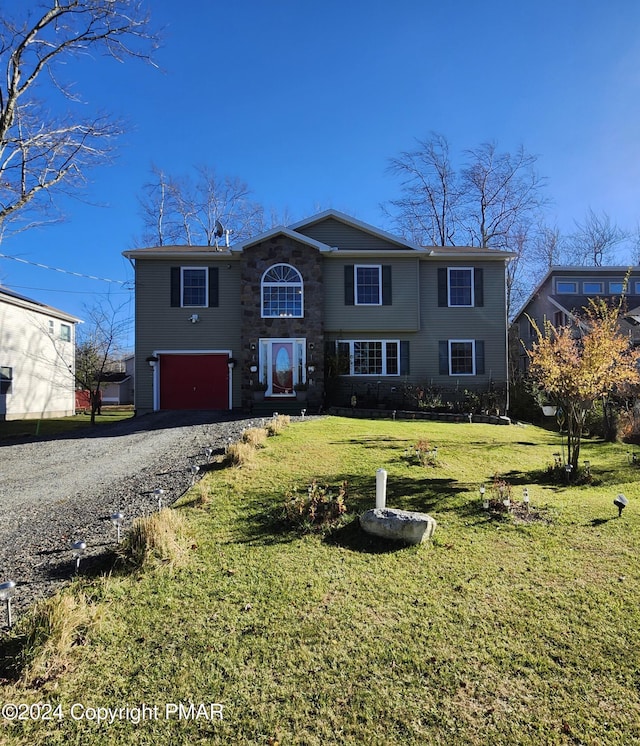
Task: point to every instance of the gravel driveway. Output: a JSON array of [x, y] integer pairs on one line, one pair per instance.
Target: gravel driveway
[[54, 491]]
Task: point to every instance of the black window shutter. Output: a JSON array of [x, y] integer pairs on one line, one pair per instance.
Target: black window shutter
[[443, 300], [479, 357], [349, 297], [404, 358], [344, 358], [213, 287], [175, 287], [443, 357], [478, 286], [386, 285]]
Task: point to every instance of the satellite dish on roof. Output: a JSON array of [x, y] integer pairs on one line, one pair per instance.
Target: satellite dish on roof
[[218, 230]]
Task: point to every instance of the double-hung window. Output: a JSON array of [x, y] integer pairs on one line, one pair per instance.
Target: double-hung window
[[65, 332], [461, 357], [282, 292], [368, 285], [460, 286], [194, 287]]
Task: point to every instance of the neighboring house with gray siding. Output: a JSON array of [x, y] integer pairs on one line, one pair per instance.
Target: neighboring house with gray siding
[[37, 359], [328, 298], [563, 294]]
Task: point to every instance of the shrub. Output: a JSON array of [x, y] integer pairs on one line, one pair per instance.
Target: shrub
[[278, 423], [155, 539], [255, 436], [240, 453], [423, 453], [316, 507], [50, 631]]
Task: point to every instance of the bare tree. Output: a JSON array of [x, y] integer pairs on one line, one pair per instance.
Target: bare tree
[[502, 192], [43, 146], [547, 248], [595, 241], [99, 344], [187, 211], [427, 211]]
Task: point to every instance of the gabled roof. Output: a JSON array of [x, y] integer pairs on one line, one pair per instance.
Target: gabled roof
[[559, 269], [281, 230], [15, 299], [295, 232], [342, 217]]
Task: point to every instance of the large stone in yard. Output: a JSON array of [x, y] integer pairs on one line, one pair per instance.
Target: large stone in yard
[[398, 525]]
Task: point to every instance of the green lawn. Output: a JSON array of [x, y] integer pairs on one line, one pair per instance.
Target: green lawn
[[60, 425], [498, 632]]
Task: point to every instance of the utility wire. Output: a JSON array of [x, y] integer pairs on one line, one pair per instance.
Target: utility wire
[[63, 271]]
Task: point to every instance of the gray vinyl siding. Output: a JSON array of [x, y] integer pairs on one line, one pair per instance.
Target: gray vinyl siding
[[161, 327], [486, 323], [334, 233], [401, 316]]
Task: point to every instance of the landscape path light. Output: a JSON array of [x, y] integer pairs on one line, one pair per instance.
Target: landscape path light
[[208, 452], [483, 497], [620, 502], [7, 591], [525, 497], [194, 471], [78, 548], [159, 492], [117, 519]]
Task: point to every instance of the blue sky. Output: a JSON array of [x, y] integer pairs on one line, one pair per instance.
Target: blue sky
[[306, 102]]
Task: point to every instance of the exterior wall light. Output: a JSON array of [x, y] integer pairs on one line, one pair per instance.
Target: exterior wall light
[[152, 360]]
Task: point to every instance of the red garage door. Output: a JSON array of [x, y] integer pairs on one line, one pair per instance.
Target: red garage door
[[194, 382]]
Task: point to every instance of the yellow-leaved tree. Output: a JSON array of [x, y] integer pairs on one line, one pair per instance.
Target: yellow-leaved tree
[[575, 365]]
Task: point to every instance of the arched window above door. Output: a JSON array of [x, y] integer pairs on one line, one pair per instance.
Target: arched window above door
[[282, 292]]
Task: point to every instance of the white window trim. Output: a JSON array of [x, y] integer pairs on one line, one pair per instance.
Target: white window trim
[[264, 284], [473, 298], [592, 282], [473, 356], [63, 337], [356, 267], [384, 342], [568, 282], [206, 287]]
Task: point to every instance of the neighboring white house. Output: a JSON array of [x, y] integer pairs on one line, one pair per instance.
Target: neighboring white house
[[37, 359]]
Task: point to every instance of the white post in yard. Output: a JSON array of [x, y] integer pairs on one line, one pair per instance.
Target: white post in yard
[[381, 488]]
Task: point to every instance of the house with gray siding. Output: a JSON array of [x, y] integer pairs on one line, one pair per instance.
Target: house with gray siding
[[563, 294], [327, 307]]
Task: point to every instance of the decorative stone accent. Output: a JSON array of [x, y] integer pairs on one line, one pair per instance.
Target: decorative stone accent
[[256, 260], [398, 525]]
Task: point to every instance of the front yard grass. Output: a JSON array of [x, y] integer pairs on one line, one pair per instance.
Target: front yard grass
[[498, 632], [60, 425]]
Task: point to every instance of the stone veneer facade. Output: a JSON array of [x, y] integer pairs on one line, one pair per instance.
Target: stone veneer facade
[[256, 260]]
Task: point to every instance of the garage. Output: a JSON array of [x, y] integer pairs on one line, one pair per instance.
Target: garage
[[194, 381]]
